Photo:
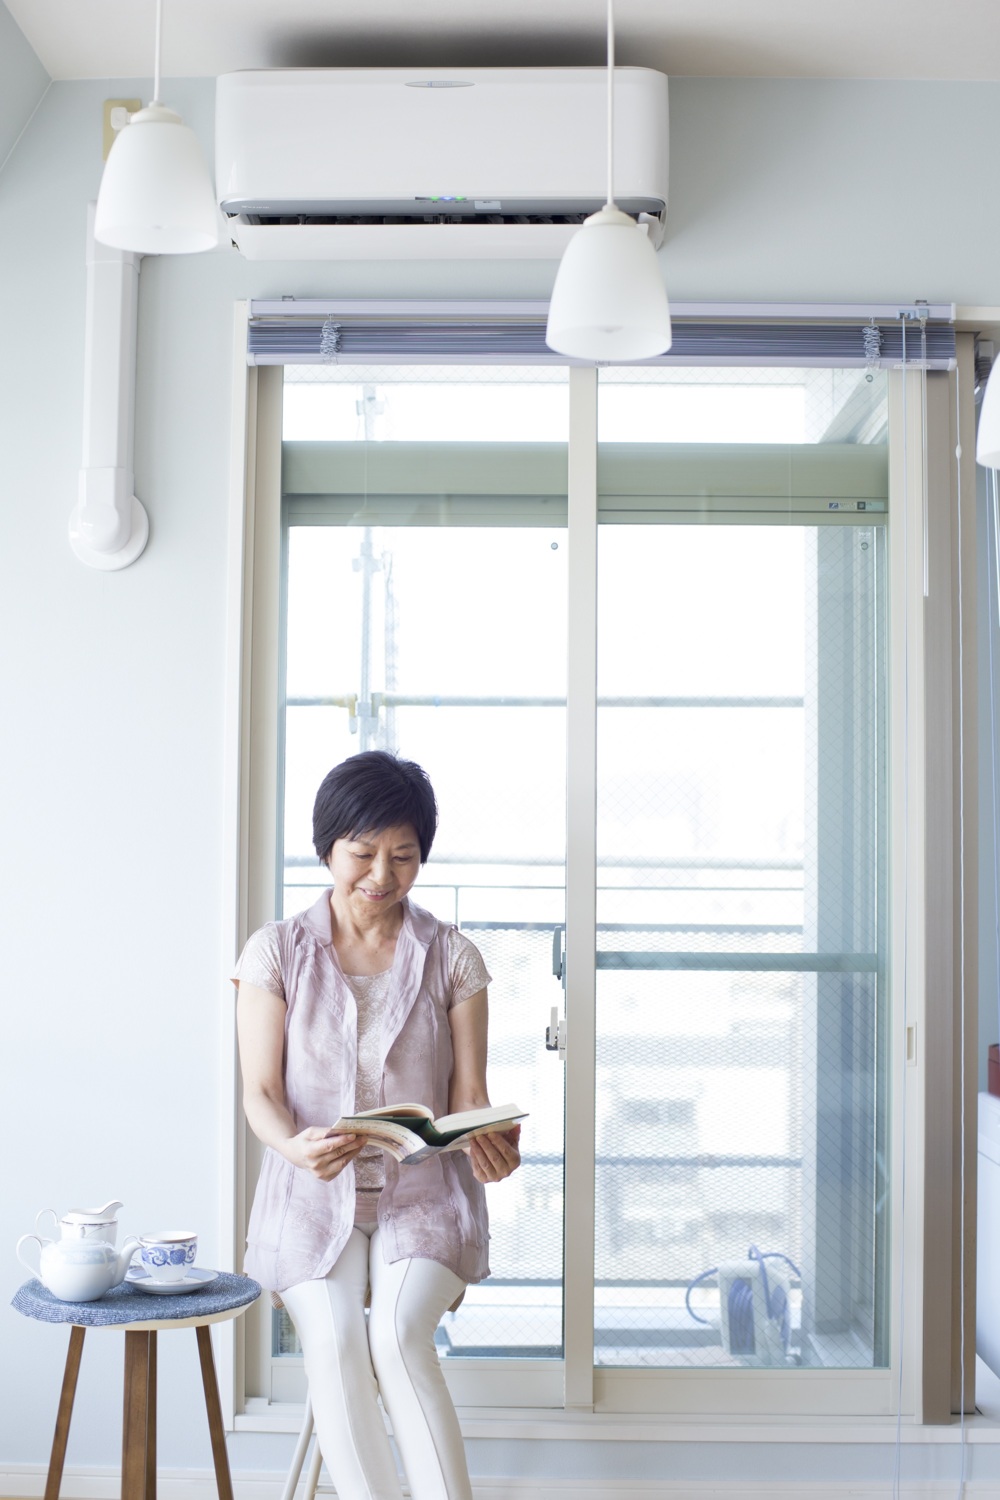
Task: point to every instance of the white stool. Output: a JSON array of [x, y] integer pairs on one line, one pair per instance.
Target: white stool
[[313, 1485]]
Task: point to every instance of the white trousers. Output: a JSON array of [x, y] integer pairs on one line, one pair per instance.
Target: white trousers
[[349, 1365]]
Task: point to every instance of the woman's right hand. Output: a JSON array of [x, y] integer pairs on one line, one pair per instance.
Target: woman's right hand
[[315, 1150]]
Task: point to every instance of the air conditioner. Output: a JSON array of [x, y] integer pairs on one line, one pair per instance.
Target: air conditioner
[[397, 163]]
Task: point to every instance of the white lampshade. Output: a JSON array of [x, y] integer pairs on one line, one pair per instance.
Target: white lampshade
[[156, 196], [609, 302], [988, 436]]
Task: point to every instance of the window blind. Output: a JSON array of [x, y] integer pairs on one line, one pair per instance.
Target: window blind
[[881, 336]]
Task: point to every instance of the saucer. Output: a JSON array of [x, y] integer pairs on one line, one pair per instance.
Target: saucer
[[193, 1280]]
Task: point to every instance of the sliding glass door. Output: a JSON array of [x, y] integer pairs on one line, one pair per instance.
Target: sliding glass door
[[689, 612], [741, 1019], [426, 614]]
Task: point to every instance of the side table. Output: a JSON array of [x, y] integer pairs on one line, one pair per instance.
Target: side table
[[142, 1316]]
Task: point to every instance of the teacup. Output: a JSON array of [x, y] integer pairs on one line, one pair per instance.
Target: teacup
[[168, 1254]]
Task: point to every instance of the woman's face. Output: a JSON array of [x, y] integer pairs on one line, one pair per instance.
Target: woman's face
[[374, 871]]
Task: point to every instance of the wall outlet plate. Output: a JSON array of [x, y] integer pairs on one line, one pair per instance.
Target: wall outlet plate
[[111, 127]]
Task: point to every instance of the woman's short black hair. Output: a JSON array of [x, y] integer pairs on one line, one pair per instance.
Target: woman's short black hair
[[370, 792]]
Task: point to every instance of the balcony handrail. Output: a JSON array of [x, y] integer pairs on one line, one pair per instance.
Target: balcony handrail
[[557, 862], [545, 700], [703, 1161]]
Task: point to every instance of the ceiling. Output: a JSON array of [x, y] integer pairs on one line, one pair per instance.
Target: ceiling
[[929, 39]]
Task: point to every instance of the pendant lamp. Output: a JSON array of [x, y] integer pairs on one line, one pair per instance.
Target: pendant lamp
[[609, 303], [156, 196], [988, 436]]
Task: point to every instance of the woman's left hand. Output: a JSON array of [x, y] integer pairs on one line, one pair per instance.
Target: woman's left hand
[[495, 1156]]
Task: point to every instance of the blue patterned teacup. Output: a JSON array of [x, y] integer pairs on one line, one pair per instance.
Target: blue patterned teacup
[[168, 1254]]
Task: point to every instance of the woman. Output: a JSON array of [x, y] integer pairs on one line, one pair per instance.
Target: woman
[[364, 999]]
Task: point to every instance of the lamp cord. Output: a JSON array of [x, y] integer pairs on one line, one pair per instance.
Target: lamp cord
[[611, 102], [156, 52]]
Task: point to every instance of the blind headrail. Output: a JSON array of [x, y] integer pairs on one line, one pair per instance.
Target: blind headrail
[[882, 335]]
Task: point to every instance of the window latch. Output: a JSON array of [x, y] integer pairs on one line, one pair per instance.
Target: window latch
[[555, 1033], [559, 954]]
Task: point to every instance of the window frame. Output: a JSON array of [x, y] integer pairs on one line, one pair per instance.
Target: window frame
[[925, 416]]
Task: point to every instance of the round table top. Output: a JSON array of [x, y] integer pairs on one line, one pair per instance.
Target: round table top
[[126, 1306]]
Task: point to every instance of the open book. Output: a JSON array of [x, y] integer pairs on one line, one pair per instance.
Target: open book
[[410, 1133]]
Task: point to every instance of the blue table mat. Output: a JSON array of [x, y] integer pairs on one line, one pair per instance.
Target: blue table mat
[[127, 1304]]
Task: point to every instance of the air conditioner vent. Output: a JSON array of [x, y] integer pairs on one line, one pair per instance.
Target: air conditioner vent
[[329, 220]]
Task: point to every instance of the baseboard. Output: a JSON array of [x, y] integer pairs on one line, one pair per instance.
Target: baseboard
[[27, 1482]]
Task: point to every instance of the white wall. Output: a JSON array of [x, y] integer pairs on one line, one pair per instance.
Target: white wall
[[831, 190], [24, 82], [112, 685]]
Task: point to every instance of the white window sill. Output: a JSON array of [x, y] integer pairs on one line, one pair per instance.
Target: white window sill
[[513, 1425]]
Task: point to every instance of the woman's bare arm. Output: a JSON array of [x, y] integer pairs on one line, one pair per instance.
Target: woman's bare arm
[[493, 1156], [260, 1023]]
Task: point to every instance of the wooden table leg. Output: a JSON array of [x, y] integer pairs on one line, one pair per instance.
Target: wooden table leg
[[213, 1406], [139, 1417], [151, 1421], [65, 1412]]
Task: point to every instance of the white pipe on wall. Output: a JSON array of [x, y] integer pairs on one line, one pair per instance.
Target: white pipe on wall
[[109, 526]]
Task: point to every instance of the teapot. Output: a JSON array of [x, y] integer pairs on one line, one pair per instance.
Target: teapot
[[78, 1270], [85, 1223]]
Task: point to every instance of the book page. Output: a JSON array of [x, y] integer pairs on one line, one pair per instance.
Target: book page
[[472, 1119]]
